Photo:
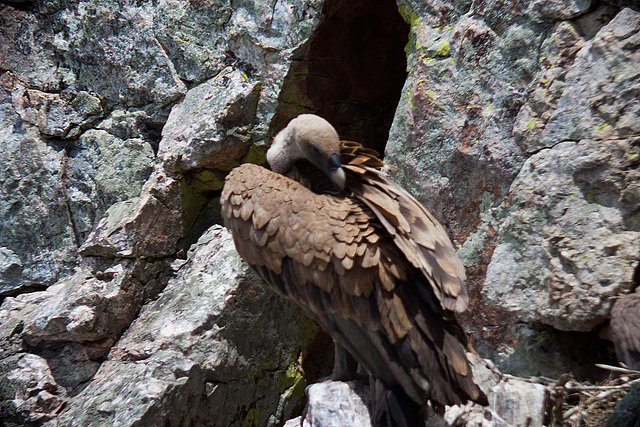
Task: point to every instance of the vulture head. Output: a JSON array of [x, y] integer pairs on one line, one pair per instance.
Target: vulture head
[[312, 138]]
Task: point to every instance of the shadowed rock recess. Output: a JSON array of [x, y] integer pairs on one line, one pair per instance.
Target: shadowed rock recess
[[350, 72], [517, 123]]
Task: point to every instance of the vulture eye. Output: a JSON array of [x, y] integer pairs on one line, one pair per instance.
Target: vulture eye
[[314, 151]]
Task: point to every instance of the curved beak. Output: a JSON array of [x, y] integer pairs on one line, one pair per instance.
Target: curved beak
[[336, 173]]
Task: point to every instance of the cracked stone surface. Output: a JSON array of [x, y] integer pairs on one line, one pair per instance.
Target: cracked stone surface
[[518, 126], [37, 235], [148, 226], [211, 127], [188, 353], [570, 241]]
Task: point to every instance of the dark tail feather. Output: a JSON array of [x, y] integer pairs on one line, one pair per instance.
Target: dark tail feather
[[391, 407]]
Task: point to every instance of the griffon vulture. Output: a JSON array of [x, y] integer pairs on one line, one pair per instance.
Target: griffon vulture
[[625, 329], [326, 228]]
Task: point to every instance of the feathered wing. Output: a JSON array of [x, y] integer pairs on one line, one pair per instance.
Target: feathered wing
[[625, 329], [333, 256], [420, 237]]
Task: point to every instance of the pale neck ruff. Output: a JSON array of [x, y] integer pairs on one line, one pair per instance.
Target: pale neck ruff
[[283, 153]]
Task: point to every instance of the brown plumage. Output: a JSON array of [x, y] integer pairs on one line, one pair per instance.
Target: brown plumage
[[327, 229], [625, 329]]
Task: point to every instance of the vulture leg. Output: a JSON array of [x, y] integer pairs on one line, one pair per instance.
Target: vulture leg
[[391, 407], [345, 366]]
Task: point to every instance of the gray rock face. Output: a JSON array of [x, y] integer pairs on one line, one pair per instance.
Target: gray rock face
[[36, 232], [84, 308], [256, 37], [204, 344], [27, 51], [570, 240], [52, 195], [451, 135], [336, 403], [593, 98], [211, 128], [121, 165], [53, 341], [114, 52], [568, 244], [104, 169], [148, 226], [518, 127]]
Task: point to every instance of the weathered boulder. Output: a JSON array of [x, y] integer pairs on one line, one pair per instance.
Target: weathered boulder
[[215, 338], [512, 401], [570, 240], [30, 393], [494, 91], [84, 308], [211, 127], [335, 403], [568, 244], [148, 226], [54, 341]]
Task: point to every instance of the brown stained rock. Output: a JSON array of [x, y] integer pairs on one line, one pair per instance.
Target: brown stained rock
[[37, 396]]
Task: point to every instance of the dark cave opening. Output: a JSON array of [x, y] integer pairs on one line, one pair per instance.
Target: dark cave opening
[[351, 72], [22, 5]]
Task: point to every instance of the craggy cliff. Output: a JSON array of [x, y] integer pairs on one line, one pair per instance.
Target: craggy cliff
[[517, 123]]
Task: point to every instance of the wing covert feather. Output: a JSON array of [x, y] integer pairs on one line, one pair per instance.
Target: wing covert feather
[[272, 217], [418, 235]]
